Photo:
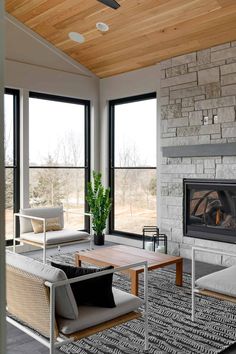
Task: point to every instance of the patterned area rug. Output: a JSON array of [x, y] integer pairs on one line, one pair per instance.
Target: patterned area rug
[[170, 326]]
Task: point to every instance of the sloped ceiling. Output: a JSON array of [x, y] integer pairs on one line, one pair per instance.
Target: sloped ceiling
[[142, 32]]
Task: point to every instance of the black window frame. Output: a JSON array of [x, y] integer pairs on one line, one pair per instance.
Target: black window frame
[[111, 156], [87, 137], [16, 155]]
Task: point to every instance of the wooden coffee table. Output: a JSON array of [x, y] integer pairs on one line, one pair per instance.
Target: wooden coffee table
[[121, 255]]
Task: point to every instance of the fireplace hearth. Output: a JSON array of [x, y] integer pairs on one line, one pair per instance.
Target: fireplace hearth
[[209, 209]]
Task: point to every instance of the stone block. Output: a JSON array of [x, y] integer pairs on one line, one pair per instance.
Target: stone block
[[226, 114], [188, 240], [195, 118], [171, 130], [204, 56], [215, 102], [228, 124], [223, 54], [228, 79], [168, 135], [216, 136], [165, 64], [176, 70], [173, 248], [228, 90], [165, 92], [177, 235], [231, 140], [204, 139], [164, 100], [226, 171], [229, 132], [186, 102], [174, 160], [230, 61], [178, 122], [199, 168], [229, 159], [213, 90], [168, 169], [198, 98], [218, 141], [181, 79], [187, 109], [184, 59], [171, 111], [188, 131], [164, 125], [163, 74], [209, 163], [180, 141], [183, 86], [208, 76], [209, 129], [175, 189], [228, 69], [186, 160], [187, 92], [171, 200], [220, 47]]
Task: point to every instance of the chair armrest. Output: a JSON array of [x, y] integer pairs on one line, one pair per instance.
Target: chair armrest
[[29, 217], [210, 250], [75, 213]]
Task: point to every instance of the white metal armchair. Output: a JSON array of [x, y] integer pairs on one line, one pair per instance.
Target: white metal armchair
[[45, 239], [40, 303], [220, 284]]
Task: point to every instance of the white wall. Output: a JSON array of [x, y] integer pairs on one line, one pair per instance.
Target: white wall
[[130, 84], [2, 199]]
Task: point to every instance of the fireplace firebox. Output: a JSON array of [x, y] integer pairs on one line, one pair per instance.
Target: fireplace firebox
[[209, 209]]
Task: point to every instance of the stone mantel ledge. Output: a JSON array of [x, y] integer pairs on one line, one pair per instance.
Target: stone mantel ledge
[[201, 150]]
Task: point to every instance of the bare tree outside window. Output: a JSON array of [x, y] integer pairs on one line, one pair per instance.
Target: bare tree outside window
[[134, 170], [57, 168]]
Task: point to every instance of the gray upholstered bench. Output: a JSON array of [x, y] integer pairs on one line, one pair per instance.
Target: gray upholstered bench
[[46, 239], [220, 284], [41, 303]]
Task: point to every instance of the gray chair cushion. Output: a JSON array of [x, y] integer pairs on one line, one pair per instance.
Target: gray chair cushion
[[90, 315], [55, 237], [223, 281], [65, 301], [25, 224]]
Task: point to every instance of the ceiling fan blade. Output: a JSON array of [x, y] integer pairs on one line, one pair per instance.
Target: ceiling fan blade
[[111, 3]]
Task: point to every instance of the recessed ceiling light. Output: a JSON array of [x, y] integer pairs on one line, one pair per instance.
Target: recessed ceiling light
[[101, 26], [77, 37]]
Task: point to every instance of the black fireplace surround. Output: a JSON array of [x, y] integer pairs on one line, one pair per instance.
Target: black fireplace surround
[[209, 209]]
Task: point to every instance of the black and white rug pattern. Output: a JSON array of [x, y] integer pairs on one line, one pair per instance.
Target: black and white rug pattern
[[170, 327]]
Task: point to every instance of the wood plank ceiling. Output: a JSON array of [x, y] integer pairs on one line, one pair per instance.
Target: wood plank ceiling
[[142, 32]]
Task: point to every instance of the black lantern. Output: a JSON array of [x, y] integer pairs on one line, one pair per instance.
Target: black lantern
[[153, 240]]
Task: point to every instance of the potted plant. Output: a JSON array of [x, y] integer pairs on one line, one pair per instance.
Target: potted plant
[[99, 203]]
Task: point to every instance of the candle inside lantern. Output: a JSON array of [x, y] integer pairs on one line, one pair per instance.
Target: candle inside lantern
[[161, 249], [149, 246]]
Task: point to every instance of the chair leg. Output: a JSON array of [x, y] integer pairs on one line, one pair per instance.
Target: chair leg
[[193, 305], [44, 254]]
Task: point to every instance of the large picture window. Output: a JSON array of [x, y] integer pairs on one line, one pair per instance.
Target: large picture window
[[11, 142], [133, 163], [59, 155]]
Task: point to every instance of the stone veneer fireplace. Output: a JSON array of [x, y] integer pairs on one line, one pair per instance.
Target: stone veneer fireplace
[[198, 136], [209, 209]]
